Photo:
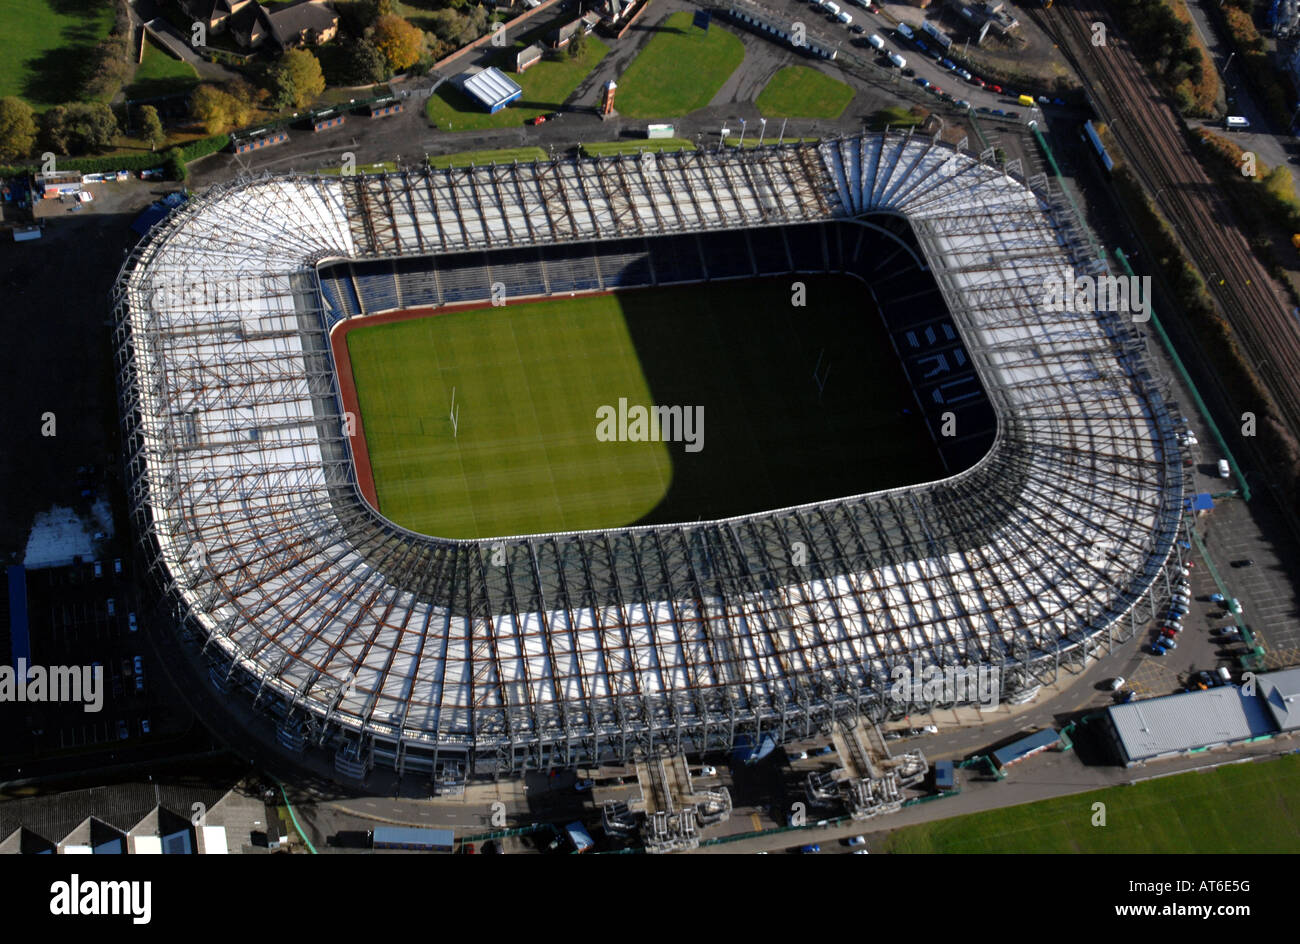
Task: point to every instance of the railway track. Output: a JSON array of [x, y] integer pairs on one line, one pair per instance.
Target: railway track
[[1151, 133]]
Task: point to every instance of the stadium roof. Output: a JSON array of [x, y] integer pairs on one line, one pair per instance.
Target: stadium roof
[[492, 88], [1152, 728], [1280, 692], [242, 474]]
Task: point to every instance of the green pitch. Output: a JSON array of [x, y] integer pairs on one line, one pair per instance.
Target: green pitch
[[679, 70], [1236, 808], [530, 378], [803, 92]]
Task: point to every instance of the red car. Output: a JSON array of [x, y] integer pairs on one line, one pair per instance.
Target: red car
[[540, 119], [994, 88], [976, 80]]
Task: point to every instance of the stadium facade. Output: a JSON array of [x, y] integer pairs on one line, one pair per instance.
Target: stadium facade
[[1056, 537]]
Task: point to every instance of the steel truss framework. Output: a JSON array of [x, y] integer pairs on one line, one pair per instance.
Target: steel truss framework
[[556, 649]]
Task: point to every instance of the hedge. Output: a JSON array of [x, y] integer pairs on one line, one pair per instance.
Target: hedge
[[98, 165]]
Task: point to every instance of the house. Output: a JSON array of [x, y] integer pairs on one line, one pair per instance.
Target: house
[[559, 38], [306, 23], [213, 14], [528, 57]]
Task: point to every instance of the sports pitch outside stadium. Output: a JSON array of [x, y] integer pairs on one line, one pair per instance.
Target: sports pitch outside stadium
[[798, 403], [1050, 535]]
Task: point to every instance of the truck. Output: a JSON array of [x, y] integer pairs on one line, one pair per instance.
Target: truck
[[1026, 100], [845, 18], [876, 42], [897, 60]]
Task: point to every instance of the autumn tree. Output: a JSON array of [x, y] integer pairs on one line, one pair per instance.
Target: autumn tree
[[217, 110], [296, 79], [397, 40], [17, 129], [151, 129]]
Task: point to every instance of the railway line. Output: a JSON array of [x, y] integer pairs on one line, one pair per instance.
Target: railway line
[[1148, 129]]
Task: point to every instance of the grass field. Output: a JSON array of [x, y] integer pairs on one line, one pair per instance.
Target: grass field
[[679, 70], [752, 140], [637, 146], [44, 46], [803, 92], [1238, 808], [545, 86], [530, 378], [482, 158], [382, 167], [160, 74]]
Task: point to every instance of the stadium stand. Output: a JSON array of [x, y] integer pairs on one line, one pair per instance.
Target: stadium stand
[[392, 648]]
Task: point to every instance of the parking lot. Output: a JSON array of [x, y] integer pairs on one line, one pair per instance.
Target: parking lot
[[84, 615]]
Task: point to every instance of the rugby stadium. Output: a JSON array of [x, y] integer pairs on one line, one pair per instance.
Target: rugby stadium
[[1050, 531]]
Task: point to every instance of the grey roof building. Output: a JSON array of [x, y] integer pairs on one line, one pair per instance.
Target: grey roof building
[[1280, 692], [1189, 721]]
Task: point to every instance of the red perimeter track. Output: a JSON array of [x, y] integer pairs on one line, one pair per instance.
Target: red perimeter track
[[348, 385]]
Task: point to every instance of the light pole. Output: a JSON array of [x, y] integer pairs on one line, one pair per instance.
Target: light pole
[[742, 133], [781, 139], [762, 130]]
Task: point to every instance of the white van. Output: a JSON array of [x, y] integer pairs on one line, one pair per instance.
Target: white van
[[845, 18], [1224, 471], [832, 8], [898, 60], [905, 31], [876, 42], [1236, 123]]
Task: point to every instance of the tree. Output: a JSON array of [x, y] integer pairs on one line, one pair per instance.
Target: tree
[[365, 64], [578, 44], [17, 129], [296, 79], [398, 41], [79, 128], [151, 129], [218, 110]]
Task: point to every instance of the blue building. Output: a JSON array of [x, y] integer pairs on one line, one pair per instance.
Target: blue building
[[492, 89]]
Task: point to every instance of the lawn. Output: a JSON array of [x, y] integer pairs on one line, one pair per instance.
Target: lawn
[[384, 167], [679, 70], [637, 146], [530, 378], [803, 92], [545, 85], [160, 74], [752, 139], [1237, 808], [44, 46], [481, 158]]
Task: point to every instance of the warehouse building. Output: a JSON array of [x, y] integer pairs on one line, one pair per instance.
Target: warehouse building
[[1186, 723]]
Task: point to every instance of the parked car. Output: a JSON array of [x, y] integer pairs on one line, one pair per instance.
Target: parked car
[[117, 565], [122, 732], [855, 841], [1169, 642], [1225, 632], [1244, 562], [708, 770], [1117, 683], [963, 73], [555, 116], [99, 569], [962, 103], [799, 755], [539, 120], [112, 607], [1156, 650], [130, 622], [1224, 471], [995, 88], [582, 786], [810, 848], [144, 725], [947, 64], [924, 83], [976, 80], [909, 72]]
